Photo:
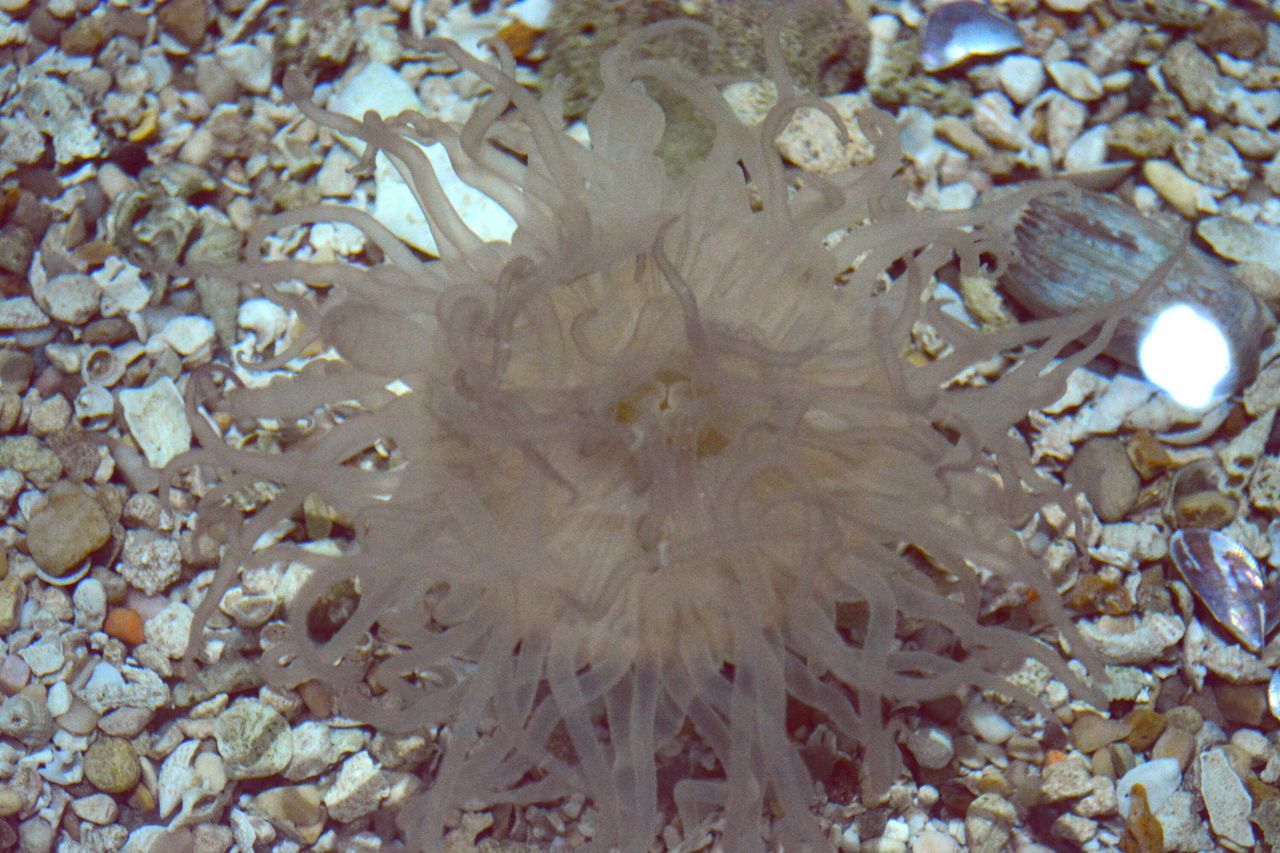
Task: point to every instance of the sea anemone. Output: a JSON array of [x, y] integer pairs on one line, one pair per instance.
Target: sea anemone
[[650, 475]]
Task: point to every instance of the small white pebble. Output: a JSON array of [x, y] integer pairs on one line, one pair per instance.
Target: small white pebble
[[1159, 777], [249, 65], [1253, 743], [927, 796], [1075, 79], [96, 808], [985, 720], [265, 319], [59, 699], [1021, 77], [933, 841], [931, 746]]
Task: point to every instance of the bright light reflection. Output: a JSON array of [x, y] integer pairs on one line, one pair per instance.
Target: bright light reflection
[[1186, 354]]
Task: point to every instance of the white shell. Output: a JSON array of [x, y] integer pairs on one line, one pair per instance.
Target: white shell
[[1121, 640]]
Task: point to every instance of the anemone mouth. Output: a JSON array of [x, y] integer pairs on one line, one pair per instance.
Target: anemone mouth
[[648, 442]]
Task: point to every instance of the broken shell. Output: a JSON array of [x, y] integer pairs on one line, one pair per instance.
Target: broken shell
[[953, 32], [1197, 497], [1126, 640], [1226, 578], [1273, 694], [95, 407], [1081, 250], [102, 366], [26, 718]]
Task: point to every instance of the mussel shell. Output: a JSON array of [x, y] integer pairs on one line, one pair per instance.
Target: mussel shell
[[1082, 249], [1227, 579]]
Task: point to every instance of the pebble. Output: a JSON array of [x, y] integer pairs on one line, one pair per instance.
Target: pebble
[[1186, 718], [265, 319], [70, 297], [1267, 816], [1253, 744], [125, 722], [1101, 799], [1210, 159], [1112, 49], [1182, 823], [37, 835], [1142, 136], [157, 420], [50, 417], [250, 65], [167, 631], [10, 800], [985, 720], [361, 787], [813, 143], [21, 312], [96, 808], [149, 561], [1066, 118], [14, 674], [1145, 727], [1021, 77], [253, 739], [317, 746], [111, 765], [1101, 469], [1089, 151], [994, 121], [1242, 241], [1075, 79], [933, 841], [249, 610], [66, 528], [932, 747], [78, 718], [1192, 74], [1066, 779], [1226, 799], [1075, 829], [1160, 777], [1233, 31], [44, 657], [296, 809], [28, 455], [189, 336], [1175, 186], [1091, 732], [110, 687], [90, 602], [125, 624], [987, 820]]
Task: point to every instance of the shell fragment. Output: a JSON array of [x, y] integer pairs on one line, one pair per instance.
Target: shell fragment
[[955, 31]]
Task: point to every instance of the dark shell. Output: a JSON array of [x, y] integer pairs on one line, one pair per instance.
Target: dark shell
[[1226, 577], [1076, 251]]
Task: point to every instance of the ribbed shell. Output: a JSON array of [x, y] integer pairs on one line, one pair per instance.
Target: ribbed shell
[[1078, 251]]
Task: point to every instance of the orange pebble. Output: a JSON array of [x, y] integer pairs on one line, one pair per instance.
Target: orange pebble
[[1054, 756], [125, 624], [520, 37]]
